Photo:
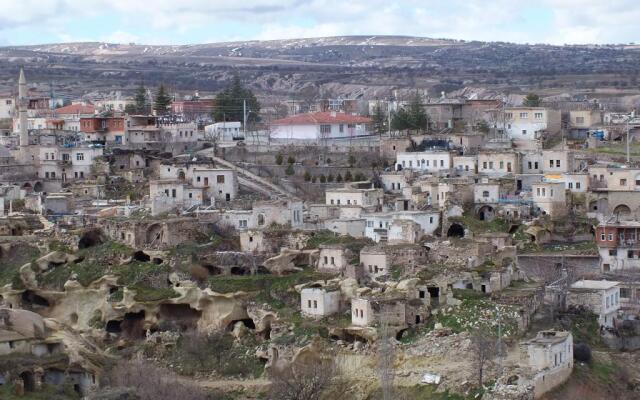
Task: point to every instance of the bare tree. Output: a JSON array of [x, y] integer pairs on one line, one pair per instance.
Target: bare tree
[[304, 381], [483, 346], [150, 382], [386, 356]]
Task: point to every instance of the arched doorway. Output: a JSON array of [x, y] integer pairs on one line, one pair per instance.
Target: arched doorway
[[485, 213], [154, 234], [455, 230], [622, 210], [37, 187]]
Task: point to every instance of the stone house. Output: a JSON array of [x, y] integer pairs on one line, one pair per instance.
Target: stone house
[[368, 311], [319, 302], [375, 261], [550, 358], [498, 163], [393, 182], [465, 165], [550, 198], [601, 297], [425, 161], [379, 224], [368, 198], [333, 258], [347, 227]]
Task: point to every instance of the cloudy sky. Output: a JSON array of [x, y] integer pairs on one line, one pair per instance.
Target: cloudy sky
[[202, 21]]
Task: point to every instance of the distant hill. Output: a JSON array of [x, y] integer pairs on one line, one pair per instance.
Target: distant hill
[[372, 66]]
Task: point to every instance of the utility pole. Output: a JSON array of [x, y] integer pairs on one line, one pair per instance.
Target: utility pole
[[389, 118], [628, 152], [244, 118]]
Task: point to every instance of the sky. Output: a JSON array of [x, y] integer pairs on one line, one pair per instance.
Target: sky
[[24, 22]]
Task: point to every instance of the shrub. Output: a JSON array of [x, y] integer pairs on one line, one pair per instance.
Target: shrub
[[291, 160], [279, 159], [328, 161], [348, 177], [330, 178], [352, 160], [339, 178], [314, 179], [323, 178], [307, 176], [581, 352], [360, 177], [290, 171]]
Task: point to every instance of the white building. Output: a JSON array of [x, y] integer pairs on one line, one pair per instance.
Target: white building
[[527, 123], [427, 161], [379, 224], [224, 131], [349, 196], [601, 297], [319, 302], [320, 125], [550, 357]]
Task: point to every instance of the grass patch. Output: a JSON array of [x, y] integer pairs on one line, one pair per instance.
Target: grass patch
[[586, 329], [145, 294], [10, 263], [47, 392], [329, 238], [477, 226], [480, 313]]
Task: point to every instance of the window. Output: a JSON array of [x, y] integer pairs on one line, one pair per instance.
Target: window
[[623, 182], [490, 164], [602, 236], [613, 252], [550, 163], [325, 128], [197, 179], [173, 193], [537, 115], [557, 163], [610, 237], [607, 301], [501, 164], [220, 178], [242, 223], [315, 304], [625, 293], [309, 303], [484, 165], [333, 261], [442, 163], [191, 195], [46, 156], [524, 115], [485, 193], [79, 156], [431, 220], [577, 185], [629, 253], [579, 120], [530, 166], [341, 128], [508, 115], [570, 185], [535, 165], [524, 131], [65, 157]]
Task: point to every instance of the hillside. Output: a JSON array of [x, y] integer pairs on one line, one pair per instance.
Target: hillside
[[373, 66]]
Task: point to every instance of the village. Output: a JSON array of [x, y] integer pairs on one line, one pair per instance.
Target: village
[[457, 247]]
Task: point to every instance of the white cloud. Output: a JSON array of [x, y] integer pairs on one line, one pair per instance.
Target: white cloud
[[566, 21]]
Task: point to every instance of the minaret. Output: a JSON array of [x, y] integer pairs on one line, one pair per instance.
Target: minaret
[[23, 104]]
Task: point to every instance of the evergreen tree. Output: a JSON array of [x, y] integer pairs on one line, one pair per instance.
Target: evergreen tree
[[229, 104], [141, 99], [413, 117], [532, 100], [379, 120], [162, 101]]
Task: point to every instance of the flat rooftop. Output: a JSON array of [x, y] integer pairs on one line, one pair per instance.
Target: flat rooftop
[[597, 285]]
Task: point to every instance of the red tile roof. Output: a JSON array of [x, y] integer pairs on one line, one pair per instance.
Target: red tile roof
[[322, 118], [75, 109]]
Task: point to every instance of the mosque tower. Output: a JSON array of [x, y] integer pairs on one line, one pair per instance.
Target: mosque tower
[[23, 103]]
